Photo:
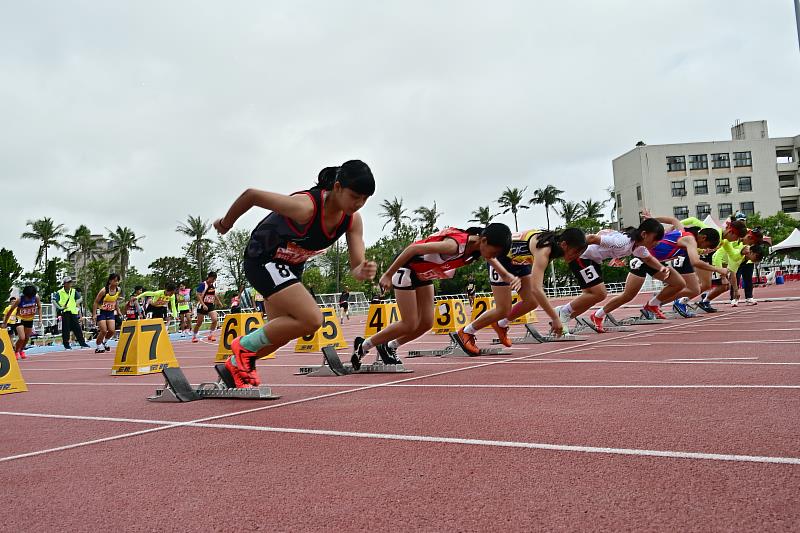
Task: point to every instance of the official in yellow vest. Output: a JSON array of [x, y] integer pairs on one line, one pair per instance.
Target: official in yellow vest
[[67, 303]]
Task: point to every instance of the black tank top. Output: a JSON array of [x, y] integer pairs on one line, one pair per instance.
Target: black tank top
[[208, 296], [279, 238]]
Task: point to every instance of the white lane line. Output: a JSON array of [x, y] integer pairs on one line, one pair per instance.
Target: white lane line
[[465, 385], [715, 359], [664, 362], [420, 438], [321, 396]]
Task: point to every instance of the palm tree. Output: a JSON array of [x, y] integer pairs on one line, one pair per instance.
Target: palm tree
[[592, 209], [394, 212], [482, 216], [549, 196], [83, 245], [196, 229], [511, 200], [48, 233], [123, 242], [427, 219], [570, 212]]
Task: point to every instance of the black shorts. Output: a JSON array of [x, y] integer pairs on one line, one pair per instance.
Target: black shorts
[[157, 312], [27, 324], [515, 270], [271, 277], [344, 305], [206, 311], [639, 268], [682, 264], [105, 314], [708, 258], [587, 272], [12, 329], [406, 279]]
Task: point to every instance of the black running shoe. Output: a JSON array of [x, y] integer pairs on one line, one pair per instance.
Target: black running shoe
[[358, 353], [706, 306], [387, 355]]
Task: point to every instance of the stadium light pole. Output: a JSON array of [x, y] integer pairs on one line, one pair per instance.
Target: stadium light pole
[[797, 16]]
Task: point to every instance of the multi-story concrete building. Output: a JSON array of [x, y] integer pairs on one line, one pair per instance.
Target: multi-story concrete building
[[750, 173]]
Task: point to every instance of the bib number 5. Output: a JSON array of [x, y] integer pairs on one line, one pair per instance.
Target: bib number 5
[[589, 274]]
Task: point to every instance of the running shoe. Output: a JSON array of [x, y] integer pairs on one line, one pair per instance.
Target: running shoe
[[387, 355], [106, 347], [22, 355], [597, 322], [680, 308], [211, 338], [99, 349], [734, 303], [502, 334], [84, 345], [467, 342], [564, 318], [194, 339], [706, 306], [240, 379], [358, 353], [243, 355], [752, 301], [656, 310]]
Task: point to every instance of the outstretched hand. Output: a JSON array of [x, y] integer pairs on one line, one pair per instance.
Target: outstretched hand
[[366, 270]]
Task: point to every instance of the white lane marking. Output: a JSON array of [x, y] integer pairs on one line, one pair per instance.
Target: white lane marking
[[715, 359], [465, 385], [422, 438]]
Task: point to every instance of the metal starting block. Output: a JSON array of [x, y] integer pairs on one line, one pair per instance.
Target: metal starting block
[[333, 366], [178, 389], [608, 326], [532, 336], [640, 320], [455, 350]]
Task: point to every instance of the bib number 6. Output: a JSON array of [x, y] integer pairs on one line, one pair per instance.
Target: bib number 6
[[494, 277]]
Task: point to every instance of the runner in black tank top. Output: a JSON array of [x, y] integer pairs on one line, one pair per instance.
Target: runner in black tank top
[[300, 226]]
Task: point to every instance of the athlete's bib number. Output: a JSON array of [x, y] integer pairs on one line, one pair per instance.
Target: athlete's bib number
[[635, 263], [107, 306], [402, 278], [208, 299], [715, 276], [589, 274], [329, 330], [279, 272], [494, 276], [678, 261]]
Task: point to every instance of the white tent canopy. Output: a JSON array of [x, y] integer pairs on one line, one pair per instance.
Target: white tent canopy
[[711, 223], [791, 243]]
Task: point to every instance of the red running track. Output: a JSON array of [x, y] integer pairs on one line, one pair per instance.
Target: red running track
[[690, 425]]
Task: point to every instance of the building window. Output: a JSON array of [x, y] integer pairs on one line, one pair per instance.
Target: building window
[[742, 159], [681, 211], [723, 185], [698, 162], [725, 210], [789, 205], [745, 185], [701, 186], [787, 180], [679, 188], [639, 192], [748, 208], [675, 163], [784, 155], [720, 161], [703, 210]]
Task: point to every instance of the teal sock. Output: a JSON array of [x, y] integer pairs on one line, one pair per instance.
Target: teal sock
[[254, 341]]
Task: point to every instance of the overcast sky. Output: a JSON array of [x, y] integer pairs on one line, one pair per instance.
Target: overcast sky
[[141, 113]]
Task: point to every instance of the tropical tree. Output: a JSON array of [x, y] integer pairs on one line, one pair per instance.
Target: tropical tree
[[10, 270], [84, 246], [46, 231], [549, 196], [174, 269], [394, 212], [592, 209], [427, 217], [123, 242], [511, 200], [230, 249], [199, 247], [569, 211], [482, 216]]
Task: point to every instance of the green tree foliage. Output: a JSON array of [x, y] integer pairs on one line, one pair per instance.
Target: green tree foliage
[[10, 270], [135, 278], [778, 226], [548, 197], [482, 216], [427, 219], [200, 246], [46, 231], [123, 242], [313, 278], [229, 250], [394, 213], [592, 209], [511, 200], [569, 211], [96, 273], [174, 269], [458, 283]]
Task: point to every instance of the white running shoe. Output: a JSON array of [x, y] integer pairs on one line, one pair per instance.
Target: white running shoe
[[734, 303], [752, 301]]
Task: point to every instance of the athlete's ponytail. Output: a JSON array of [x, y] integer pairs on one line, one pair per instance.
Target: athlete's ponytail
[[572, 237], [648, 225], [354, 175]]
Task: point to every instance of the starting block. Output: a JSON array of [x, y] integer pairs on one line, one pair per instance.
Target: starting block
[[332, 366], [640, 320], [584, 325], [453, 349], [532, 336], [177, 388]]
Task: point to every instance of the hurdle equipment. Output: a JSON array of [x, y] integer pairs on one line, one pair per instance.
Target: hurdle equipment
[[329, 334], [332, 366], [379, 317], [453, 349], [532, 336], [10, 377], [640, 320], [237, 325], [585, 325], [178, 389], [137, 354]]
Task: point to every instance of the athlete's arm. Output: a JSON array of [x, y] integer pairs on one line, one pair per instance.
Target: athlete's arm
[[593, 238], [360, 268], [541, 260], [672, 221], [298, 207], [39, 308], [172, 305], [653, 263], [446, 246], [145, 294], [100, 294], [694, 257], [507, 276]]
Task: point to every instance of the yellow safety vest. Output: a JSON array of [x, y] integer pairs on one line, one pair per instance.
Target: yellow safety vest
[[66, 301]]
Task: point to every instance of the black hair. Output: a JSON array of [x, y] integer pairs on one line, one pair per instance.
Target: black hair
[[169, 286], [711, 235], [648, 225], [138, 288], [758, 250], [29, 291], [496, 234], [573, 237], [354, 175], [111, 276], [739, 226], [211, 274]]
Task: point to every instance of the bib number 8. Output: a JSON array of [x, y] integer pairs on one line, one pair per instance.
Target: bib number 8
[[589, 274]]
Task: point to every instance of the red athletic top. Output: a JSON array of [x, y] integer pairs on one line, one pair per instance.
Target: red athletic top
[[438, 266]]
